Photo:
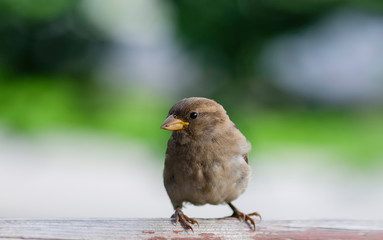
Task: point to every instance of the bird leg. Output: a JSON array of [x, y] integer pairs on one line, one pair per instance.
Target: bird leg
[[185, 220], [244, 217]]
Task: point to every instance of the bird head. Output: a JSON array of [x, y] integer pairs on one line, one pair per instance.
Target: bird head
[[195, 115]]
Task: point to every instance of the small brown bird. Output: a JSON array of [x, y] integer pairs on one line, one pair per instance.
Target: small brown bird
[[206, 160]]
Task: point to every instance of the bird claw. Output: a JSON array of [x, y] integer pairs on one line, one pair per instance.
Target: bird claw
[[245, 217], [185, 220], [255, 214]]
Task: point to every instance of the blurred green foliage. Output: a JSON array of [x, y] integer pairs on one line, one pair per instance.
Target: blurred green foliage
[[35, 104], [36, 10], [48, 52], [38, 104], [47, 37], [227, 38], [355, 138]]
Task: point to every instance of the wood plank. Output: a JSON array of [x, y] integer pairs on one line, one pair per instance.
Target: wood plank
[[209, 229]]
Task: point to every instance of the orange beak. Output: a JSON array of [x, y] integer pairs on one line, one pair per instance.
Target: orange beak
[[172, 124]]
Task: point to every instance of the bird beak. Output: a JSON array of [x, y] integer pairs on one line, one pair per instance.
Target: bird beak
[[173, 124]]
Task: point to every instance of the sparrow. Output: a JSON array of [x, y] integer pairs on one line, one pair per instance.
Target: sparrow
[[206, 160]]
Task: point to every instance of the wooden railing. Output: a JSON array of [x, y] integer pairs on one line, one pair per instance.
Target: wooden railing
[[228, 228]]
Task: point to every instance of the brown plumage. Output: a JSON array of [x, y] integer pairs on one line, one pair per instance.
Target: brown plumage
[[206, 159]]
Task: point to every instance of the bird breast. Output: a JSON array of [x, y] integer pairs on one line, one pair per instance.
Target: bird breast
[[206, 173]]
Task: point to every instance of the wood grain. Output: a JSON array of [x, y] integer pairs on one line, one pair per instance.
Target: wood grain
[[209, 229]]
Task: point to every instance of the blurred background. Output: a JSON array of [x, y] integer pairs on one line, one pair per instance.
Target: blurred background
[[86, 84]]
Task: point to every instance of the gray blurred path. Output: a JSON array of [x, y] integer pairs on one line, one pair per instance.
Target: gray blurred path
[[84, 175]]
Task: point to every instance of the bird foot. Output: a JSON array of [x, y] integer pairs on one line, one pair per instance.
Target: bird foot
[[244, 217], [185, 220]]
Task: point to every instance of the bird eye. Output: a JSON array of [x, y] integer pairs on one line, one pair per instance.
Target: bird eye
[[193, 115]]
